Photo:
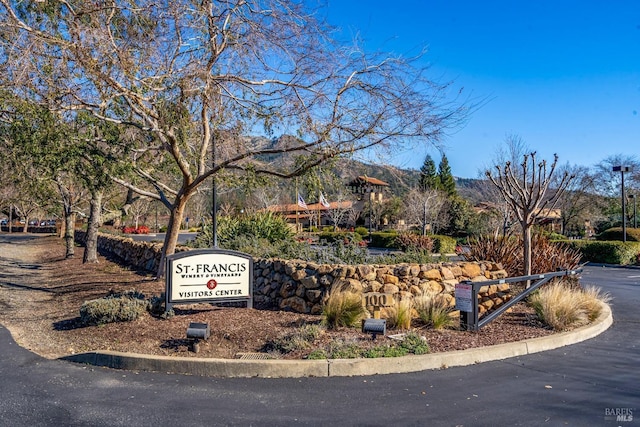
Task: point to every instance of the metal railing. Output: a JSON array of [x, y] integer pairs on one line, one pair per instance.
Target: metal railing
[[469, 317]]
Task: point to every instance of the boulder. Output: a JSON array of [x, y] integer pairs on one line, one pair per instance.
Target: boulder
[[313, 295], [390, 279], [366, 272], [390, 288], [375, 286], [295, 304], [433, 274], [310, 282], [447, 274], [470, 269], [298, 275]]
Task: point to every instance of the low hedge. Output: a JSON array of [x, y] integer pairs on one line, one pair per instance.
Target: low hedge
[[384, 239], [387, 239], [607, 252], [615, 233]]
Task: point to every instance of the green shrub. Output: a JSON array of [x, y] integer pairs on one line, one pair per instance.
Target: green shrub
[[362, 231], [344, 350], [607, 252], [385, 351], [384, 239], [412, 343], [409, 257], [301, 339], [615, 233], [266, 225], [415, 343], [443, 244], [113, 308], [317, 354], [342, 308], [556, 236]]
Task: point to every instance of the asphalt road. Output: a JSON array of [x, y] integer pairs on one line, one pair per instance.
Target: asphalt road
[[578, 385]]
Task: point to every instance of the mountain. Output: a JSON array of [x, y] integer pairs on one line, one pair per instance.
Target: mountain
[[400, 180]]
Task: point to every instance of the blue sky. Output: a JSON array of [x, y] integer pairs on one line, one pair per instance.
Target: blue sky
[[562, 75]]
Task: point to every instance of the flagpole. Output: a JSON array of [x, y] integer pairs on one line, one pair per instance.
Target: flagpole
[[296, 203], [319, 210]]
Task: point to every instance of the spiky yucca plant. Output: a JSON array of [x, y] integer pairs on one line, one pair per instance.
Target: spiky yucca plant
[[507, 250]]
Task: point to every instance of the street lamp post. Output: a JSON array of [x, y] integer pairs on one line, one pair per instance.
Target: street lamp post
[[635, 222], [622, 170]]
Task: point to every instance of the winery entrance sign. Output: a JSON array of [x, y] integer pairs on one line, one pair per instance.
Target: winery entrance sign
[[209, 276]]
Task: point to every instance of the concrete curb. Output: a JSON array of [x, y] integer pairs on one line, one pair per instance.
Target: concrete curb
[[235, 368]]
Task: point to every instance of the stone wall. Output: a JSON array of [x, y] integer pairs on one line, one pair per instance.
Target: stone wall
[[300, 286]]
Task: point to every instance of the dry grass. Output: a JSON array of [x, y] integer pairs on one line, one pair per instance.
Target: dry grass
[[433, 309], [592, 299], [399, 316], [342, 308], [563, 306]]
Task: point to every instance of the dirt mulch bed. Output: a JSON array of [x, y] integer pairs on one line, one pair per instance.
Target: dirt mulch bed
[[41, 294]]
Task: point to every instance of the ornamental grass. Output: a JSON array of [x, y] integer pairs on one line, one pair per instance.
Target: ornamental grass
[[562, 306]]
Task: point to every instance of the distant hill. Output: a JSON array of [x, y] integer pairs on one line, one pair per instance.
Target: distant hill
[[475, 190], [400, 180]]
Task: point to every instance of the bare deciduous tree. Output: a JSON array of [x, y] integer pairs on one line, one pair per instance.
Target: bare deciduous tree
[[423, 207], [579, 201], [524, 188], [197, 78], [341, 208]]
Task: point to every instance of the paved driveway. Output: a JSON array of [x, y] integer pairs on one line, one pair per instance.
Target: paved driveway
[[580, 385]]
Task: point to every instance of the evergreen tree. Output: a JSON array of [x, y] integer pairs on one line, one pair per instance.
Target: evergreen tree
[[461, 217], [447, 183], [428, 176]]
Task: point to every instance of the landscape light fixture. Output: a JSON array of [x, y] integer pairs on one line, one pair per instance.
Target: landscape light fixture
[[196, 332], [622, 170], [374, 327]]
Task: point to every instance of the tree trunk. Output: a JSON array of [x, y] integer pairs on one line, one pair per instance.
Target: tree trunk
[[95, 221], [526, 245], [173, 230], [70, 224]]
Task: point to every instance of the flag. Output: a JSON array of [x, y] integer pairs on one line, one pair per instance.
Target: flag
[[301, 202], [323, 201]]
